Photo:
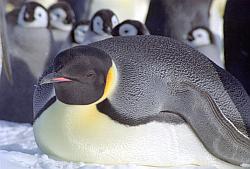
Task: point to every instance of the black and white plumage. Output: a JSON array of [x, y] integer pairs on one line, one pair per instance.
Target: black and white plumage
[[30, 45], [130, 28], [175, 18], [202, 39], [62, 19], [169, 83], [79, 31], [34, 15], [236, 40], [62, 16], [101, 25]]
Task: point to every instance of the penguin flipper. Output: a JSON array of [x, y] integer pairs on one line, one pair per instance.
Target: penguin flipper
[[44, 96], [217, 133]]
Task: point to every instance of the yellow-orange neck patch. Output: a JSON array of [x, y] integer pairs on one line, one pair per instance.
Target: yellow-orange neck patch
[[111, 80]]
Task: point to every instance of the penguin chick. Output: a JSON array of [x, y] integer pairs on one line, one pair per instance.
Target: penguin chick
[[202, 39], [125, 97], [62, 16], [101, 26], [130, 28], [31, 49], [33, 14], [62, 19], [79, 31]]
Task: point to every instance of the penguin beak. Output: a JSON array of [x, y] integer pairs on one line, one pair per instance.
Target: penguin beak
[[108, 30], [53, 78], [190, 38]]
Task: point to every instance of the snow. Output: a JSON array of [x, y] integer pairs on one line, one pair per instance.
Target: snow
[[18, 150]]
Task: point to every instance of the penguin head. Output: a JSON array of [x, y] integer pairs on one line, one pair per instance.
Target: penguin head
[[33, 14], [200, 36], [130, 28], [79, 31], [103, 22], [61, 16], [82, 75]]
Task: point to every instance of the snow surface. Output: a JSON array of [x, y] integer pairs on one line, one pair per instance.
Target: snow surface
[[18, 150]]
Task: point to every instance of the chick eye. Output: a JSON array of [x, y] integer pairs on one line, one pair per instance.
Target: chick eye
[[199, 35], [40, 15], [126, 31], [58, 15]]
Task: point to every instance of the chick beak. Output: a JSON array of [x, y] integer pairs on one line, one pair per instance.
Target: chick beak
[[190, 38]]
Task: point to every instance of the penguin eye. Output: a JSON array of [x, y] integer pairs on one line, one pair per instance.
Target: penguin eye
[[57, 15], [91, 74], [126, 31], [40, 15], [199, 35]]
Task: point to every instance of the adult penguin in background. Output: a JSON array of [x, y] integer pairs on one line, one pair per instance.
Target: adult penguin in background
[[62, 19], [101, 25], [132, 99], [175, 18], [81, 8], [30, 44], [236, 40], [79, 31], [203, 39], [130, 28]]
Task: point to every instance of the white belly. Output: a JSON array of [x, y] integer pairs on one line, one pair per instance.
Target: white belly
[[92, 137]]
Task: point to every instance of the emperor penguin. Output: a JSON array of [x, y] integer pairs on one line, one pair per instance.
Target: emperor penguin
[[236, 40], [79, 31], [130, 28], [175, 18], [145, 100], [101, 25], [62, 19], [30, 45], [202, 39]]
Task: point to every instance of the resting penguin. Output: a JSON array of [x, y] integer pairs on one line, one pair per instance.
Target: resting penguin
[[130, 28], [140, 99], [79, 31], [30, 44], [175, 18], [202, 39], [62, 19], [236, 40], [101, 26]]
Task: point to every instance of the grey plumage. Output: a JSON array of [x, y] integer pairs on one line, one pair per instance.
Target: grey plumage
[[160, 77], [175, 18], [30, 51]]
